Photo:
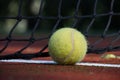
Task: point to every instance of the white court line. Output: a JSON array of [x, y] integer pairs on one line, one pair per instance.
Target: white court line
[[52, 62]]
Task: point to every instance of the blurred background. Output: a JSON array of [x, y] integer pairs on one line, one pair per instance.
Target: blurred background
[[30, 8]]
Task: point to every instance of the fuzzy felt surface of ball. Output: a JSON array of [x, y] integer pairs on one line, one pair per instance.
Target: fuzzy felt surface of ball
[[67, 46]]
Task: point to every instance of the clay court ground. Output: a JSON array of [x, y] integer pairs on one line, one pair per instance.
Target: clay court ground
[[36, 70], [51, 71]]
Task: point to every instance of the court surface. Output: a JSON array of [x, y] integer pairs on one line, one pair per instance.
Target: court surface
[[93, 67]]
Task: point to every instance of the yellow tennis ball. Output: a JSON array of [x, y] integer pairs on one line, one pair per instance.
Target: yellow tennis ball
[[67, 46], [108, 56]]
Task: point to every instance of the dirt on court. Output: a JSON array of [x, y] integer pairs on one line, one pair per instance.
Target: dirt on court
[[23, 71]]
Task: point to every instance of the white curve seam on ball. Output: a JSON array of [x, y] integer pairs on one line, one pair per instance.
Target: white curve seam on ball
[[73, 46]]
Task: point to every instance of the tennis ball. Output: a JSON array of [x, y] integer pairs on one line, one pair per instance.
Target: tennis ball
[[67, 46], [108, 56]]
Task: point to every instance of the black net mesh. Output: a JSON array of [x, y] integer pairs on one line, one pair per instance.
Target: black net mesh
[[98, 20]]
